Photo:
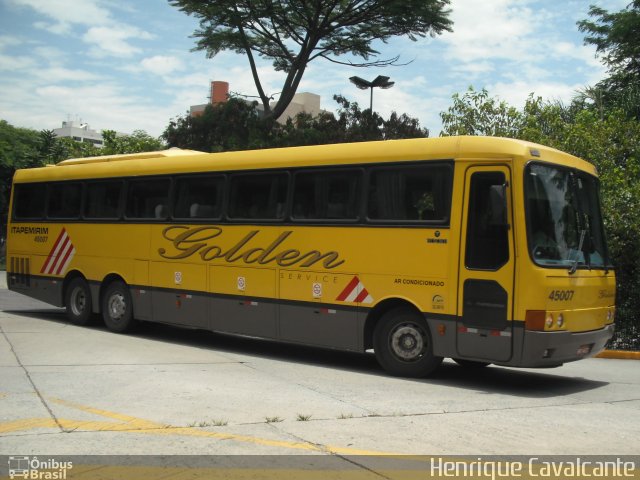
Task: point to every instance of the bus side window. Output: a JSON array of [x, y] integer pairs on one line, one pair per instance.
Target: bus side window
[[148, 199], [65, 200], [332, 195], [199, 197], [258, 196], [29, 201], [102, 200], [487, 241], [410, 193]]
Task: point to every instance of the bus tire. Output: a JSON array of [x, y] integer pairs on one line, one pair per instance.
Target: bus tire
[[117, 309], [403, 345], [78, 302], [470, 363]]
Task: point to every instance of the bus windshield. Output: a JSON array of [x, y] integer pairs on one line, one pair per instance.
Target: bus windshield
[[564, 226]]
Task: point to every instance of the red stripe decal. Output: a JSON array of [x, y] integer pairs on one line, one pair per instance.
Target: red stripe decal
[[46, 265], [345, 293], [65, 251], [362, 295]]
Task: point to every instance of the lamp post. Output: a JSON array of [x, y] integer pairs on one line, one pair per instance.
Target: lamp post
[[379, 82]]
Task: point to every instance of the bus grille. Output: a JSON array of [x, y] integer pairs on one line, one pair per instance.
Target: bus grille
[[20, 272]]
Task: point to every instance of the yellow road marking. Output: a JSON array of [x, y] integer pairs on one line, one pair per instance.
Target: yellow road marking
[[127, 423]]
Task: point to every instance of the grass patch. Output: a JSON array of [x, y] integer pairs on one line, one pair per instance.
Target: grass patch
[[213, 423]]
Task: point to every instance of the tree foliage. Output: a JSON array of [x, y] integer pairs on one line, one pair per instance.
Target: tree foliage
[[233, 125], [237, 125], [293, 33], [138, 141], [616, 37], [476, 113]]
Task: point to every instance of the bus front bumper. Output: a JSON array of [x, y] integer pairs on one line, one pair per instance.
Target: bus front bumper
[[550, 349]]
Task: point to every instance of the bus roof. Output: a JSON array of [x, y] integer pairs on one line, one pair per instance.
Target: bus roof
[[175, 161]]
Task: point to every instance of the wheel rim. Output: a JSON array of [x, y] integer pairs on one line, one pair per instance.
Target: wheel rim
[[408, 342], [117, 306], [78, 301]]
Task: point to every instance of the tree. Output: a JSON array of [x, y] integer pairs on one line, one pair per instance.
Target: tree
[[294, 33], [616, 37], [476, 113], [138, 141], [233, 125], [237, 125]]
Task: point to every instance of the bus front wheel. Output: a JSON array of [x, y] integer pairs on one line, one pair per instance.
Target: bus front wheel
[[78, 301], [117, 309], [403, 345]]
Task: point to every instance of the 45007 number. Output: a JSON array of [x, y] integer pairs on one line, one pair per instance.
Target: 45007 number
[[561, 295]]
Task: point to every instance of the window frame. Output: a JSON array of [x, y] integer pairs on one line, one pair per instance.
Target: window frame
[[121, 199], [445, 222], [127, 189], [15, 204], [360, 189], [52, 186], [231, 176], [176, 179]]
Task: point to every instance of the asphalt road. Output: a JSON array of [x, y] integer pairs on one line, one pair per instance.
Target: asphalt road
[[67, 390]]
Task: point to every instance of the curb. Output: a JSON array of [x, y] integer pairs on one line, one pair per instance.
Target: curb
[[619, 354]]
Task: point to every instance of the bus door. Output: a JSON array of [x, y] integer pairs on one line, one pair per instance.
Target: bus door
[[486, 266]]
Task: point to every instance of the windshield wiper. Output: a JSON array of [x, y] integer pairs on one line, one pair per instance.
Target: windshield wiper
[[574, 267]]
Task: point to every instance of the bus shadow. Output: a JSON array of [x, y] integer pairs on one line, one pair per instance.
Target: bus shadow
[[492, 379], [48, 314], [513, 381]]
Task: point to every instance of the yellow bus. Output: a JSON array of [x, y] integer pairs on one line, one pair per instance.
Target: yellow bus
[[483, 250]]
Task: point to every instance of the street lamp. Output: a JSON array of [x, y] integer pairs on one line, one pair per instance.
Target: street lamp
[[379, 82]]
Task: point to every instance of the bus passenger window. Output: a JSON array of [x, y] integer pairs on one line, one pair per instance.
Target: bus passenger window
[[65, 200], [198, 197], [414, 194], [29, 201], [487, 240], [326, 195], [102, 200], [148, 199], [258, 196]]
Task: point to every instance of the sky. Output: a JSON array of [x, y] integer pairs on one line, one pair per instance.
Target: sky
[[129, 65]]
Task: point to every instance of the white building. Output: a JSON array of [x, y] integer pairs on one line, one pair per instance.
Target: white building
[[80, 132]]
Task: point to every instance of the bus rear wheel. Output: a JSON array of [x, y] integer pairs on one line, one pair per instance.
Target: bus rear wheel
[[403, 345], [78, 301], [117, 309]]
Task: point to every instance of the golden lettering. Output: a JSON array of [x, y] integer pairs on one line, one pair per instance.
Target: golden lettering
[[188, 241]]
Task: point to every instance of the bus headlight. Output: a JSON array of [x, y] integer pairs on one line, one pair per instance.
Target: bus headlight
[[560, 321], [549, 321]]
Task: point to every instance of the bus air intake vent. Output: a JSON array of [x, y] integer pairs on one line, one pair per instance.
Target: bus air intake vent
[[20, 272]]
